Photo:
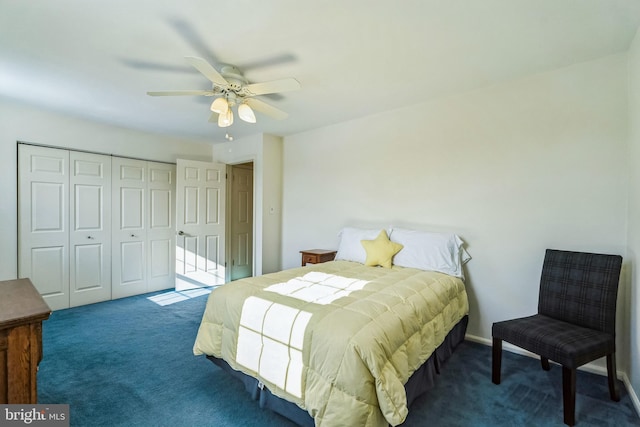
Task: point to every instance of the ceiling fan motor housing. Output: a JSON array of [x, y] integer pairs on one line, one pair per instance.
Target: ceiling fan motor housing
[[235, 78]]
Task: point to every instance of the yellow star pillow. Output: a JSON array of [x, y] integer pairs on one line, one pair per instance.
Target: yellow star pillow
[[381, 250]]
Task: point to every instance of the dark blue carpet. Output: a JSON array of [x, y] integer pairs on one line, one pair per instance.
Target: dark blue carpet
[[129, 363]]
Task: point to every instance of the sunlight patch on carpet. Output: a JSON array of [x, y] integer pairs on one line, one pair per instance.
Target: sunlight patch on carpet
[[173, 297]]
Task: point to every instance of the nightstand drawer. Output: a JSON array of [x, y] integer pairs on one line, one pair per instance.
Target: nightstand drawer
[[309, 259]]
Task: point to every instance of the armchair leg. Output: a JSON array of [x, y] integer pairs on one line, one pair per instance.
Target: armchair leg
[[545, 363], [496, 356], [569, 395], [613, 380]]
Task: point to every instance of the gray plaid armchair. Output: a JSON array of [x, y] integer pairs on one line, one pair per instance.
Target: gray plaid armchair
[[575, 323]]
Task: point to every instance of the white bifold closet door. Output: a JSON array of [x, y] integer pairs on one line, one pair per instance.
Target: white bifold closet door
[[143, 226], [65, 224], [94, 227]]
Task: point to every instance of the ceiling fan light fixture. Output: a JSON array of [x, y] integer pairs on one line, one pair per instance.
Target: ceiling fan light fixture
[[246, 113], [220, 106], [231, 89], [226, 119]]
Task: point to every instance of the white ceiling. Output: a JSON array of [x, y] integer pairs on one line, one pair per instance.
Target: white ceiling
[[97, 59]]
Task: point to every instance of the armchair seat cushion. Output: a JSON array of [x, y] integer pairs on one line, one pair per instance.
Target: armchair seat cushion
[[565, 343]]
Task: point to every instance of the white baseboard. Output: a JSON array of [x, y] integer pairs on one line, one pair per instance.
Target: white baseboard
[[589, 367], [632, 392]]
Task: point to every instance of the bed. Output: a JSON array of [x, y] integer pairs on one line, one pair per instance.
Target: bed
[[346, 342]]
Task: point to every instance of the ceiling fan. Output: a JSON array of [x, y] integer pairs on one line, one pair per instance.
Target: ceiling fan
[[232, 89]]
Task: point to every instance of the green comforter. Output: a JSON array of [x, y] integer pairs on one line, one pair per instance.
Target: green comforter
[[339, 339]]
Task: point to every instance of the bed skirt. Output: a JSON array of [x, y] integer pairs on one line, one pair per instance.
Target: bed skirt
[[422, 380]]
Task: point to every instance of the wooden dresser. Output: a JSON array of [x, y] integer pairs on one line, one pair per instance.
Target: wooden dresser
[[22, 311]]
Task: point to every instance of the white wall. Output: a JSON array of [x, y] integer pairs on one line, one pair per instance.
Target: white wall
[[633, 253], [272, 204], [26, 124], [265, 151], [540, 162]]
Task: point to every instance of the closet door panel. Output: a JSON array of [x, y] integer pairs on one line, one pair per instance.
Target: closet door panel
[[129, 227], [48, 267], [48, 214], [90, 234], [132, 262], [43, 225], [161, 229], [89, 266]]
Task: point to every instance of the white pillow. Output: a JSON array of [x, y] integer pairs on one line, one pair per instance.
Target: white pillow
[[441, 252], [350, 247]]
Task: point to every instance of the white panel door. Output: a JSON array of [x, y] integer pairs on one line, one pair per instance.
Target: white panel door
[[43, 236], [129, 188], [161, 233], [90, 228], [200, 222]]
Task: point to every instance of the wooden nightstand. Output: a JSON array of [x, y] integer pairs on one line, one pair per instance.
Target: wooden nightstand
[[316, 256]]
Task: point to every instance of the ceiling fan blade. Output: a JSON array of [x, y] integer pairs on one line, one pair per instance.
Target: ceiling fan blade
[[267, 109], [146, 65], [274, 86], [213, 118], [194, 39], [200, 47], [181, 93], [207, 70], [267, 62]]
